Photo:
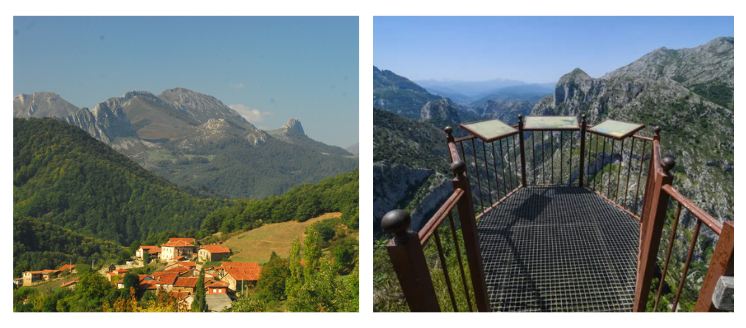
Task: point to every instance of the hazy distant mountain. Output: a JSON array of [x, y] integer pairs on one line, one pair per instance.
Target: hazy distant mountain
[[529, 92], [398, 94], [450, 94], [352, 149], [469, 88], [42, 104], [292, 132], [688, 93]]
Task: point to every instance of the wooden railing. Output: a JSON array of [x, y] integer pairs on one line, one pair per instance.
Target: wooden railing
[[505, 167], [407, 254], [659, 196]]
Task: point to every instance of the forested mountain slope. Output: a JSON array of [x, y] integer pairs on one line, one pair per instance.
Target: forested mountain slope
[[63, 176]]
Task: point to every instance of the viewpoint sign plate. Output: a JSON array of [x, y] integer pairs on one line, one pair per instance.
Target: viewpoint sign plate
[[534, 123], [489, 130], [616, 129]]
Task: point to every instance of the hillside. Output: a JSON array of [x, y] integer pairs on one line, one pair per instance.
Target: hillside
[[292, 132], [63, 176], [258, 244], [398, 94], [196, 141], [41, 245], [688, 93]]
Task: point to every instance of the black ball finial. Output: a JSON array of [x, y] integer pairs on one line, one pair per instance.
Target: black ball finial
[[583, 117], [396, 222], [458, 167], [668, 163], [520, 117], [448, 130], [657, 130]]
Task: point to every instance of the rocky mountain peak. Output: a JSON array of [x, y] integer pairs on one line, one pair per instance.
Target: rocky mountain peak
[[441, 109], [293, 125], [41, 104]]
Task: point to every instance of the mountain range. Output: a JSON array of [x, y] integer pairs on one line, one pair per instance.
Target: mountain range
[[688, 92], [194, 140]]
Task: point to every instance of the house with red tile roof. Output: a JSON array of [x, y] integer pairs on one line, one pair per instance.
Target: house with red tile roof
[[185, 284], [214, 253], [165, 280], [240, 274], [176, 247], [182, 271], [185, 264], [153, 252], [220, 287], [116, 274], [67, 268]]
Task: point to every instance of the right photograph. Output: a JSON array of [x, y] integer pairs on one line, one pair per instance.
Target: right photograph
[[553, 164]]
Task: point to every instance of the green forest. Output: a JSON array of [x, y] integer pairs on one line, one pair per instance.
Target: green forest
[[63, 176]]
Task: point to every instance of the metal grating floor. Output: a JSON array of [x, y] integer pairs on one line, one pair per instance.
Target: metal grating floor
[[559, 249]]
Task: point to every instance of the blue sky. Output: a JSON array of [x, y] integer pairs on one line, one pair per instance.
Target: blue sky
[[270, 69], [530, 49]]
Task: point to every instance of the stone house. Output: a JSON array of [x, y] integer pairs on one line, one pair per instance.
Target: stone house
[[153, 252], [184, 284], [70, 285], [176, 247], [240, 274], [214, 253], [220, 287], [165, 280], [29, 277]]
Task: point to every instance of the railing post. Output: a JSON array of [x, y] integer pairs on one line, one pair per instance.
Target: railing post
[[651, 231], [651, 177], [523, 153], [720, 265], [583, 125], [471, 239], [408, 258]]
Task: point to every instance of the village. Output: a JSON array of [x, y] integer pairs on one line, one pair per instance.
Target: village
[[181, 261]]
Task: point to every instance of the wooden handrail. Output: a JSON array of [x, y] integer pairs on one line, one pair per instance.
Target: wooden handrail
[[703, 216], [438, 217]]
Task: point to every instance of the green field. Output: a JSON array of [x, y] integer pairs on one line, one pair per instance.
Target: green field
[[257, 245]]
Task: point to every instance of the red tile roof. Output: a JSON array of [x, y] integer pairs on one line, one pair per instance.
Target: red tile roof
[[219, 284], [49, 271], [179, 242], [240, 264], [244, 273], [216, 249], [67, 267], [188, 264], [69, 283], [186, 282], [151, 249], [147, 284], [165, 278], [177, 269]]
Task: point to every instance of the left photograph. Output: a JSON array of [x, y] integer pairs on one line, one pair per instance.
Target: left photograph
[[185, 164]]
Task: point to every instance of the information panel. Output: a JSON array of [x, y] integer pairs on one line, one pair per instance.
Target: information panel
[[551, 123], [616, 129], [490, 130]]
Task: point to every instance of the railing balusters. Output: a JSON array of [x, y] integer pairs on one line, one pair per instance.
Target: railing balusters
[[603, 165], [619, 171], [686, 265], [460, 262], [629, 170], [515, 156], [572, 145], [639, 175], [668, 256], [611, 166], [581, 153], [595, 175], [487, 172], [502, 164], [562, 144], [551, 153], [523, 153], [588, 170], [533, 154], [494, 164], [543, 158], [444, 265], [476, 168]]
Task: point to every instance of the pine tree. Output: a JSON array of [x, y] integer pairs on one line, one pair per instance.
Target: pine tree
[[199, 304]]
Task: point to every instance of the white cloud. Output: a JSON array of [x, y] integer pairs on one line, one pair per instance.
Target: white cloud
[[251, 115], [237, 86]]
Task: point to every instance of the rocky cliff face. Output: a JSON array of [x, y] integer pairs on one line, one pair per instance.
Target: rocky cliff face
[[682, 92], [200, 106], [441, 109], [292, 132], [105, 122], [504, 110], [42, 104], [398, 94]]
